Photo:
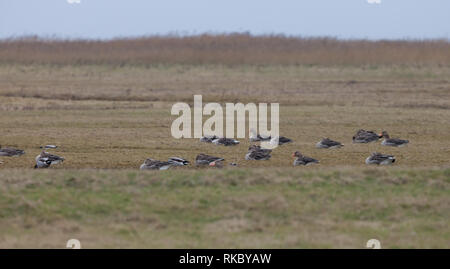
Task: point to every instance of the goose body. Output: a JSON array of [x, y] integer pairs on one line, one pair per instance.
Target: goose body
[[225, 141], [257, 153], [327, 143], [45, 160], [392, 142], [203, 159], [10, 152], [363, 136], [303, 160], [380, 159], [150, 164], [49, 147]]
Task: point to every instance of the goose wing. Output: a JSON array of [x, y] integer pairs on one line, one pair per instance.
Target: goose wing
[[47, 157], [307, 160], [329, 143], [396, 141], [178, 161], [207, 159], [380, 157]]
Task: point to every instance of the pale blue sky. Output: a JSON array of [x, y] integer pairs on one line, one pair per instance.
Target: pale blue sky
[[120, 18]]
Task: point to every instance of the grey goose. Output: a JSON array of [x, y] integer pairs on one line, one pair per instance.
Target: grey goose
[[393, 142], [10, 152], [327, 143], [303, 160], [257, 153], [45, 160], [380, 159], [203, 159], [49, 147], [151, 164], [225, 141], [363, 136]]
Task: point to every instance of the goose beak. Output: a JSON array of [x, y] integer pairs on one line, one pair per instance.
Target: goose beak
[[212, 164], [293, 154]]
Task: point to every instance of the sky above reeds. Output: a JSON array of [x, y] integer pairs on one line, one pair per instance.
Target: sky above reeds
[[382, 19]]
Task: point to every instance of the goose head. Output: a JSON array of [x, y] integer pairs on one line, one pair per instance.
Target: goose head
[[254, 147], [384, 134], [297, 154], [148, 161]]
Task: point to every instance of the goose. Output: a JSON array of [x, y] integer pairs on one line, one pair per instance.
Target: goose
[[208, 138], [150, 164], [49, 147], [257, 153], [203, 159], [281, 140], [303, 160], [255, 137], [378, 158], [363, 136], [10, 152], [393, 142], [225, 141], [327, 143], [45, 159], [176, 161]]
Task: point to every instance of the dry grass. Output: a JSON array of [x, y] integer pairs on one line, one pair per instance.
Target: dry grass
[[99, 123], [233, 49]]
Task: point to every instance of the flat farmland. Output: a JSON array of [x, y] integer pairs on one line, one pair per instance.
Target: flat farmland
[[107, 106]]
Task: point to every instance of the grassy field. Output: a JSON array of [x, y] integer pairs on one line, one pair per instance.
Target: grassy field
[[109, 112], [228, 208]]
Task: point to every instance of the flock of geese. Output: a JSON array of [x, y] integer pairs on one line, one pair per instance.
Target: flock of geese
[[255, 152]]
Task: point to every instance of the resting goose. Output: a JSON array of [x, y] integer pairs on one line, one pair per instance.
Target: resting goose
[[393, 142], [281, 140], [176, 161], [49, 147], [203, 159], [327, 143], [363, 136], [150, 164], [378, 158], [45, 159], [255, 137], [303, 160], [225, 141], [10, 152], [208, 138], [255, 152]]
